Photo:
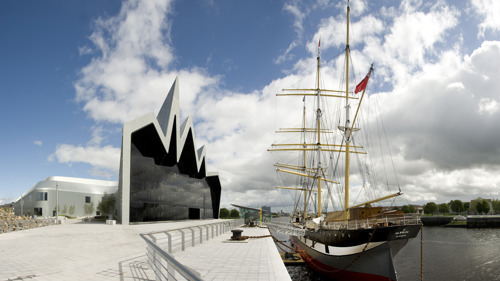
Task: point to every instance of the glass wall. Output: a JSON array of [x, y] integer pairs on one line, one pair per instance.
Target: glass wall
[[160, 192]]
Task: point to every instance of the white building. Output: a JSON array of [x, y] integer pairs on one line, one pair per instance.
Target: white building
[[71, 194]]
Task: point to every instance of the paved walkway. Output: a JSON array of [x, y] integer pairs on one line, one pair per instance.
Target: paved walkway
[[79, 250], [254, 259]]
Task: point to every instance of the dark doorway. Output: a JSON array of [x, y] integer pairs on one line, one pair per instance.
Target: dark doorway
[[194, 213]]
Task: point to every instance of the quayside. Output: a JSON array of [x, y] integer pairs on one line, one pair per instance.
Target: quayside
[[338, 239]]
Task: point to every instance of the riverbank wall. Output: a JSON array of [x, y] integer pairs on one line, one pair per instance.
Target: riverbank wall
[[483, 221], [472, 221], [435, 220]]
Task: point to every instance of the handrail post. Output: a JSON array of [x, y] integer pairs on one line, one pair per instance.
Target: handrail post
[[169, 242], [201, 234], [192, 236], [183, 240]]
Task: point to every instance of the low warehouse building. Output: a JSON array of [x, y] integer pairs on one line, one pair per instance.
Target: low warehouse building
[[75, 197]]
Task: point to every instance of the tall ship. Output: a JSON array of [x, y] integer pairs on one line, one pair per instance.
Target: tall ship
[[353, 241]]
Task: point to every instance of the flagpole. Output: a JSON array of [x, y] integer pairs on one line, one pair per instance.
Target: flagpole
[[360, 101]]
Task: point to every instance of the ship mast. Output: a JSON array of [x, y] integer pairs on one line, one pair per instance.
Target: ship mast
[[318, 130], [315, 173], [347, 130]]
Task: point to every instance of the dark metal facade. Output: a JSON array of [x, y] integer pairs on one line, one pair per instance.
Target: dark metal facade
[[161, 189]]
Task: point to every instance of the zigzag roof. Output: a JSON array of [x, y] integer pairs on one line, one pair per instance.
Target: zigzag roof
[[166, 123]]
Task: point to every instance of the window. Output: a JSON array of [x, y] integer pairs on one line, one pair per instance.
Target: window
[[87, 199], [41, 196]]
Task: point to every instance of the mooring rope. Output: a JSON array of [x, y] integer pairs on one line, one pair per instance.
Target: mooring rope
[[421, 251]]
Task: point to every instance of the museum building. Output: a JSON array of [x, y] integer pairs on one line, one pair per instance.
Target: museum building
[[162, 176], [70, 194]]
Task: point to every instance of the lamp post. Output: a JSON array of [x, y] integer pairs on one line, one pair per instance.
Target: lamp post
[[57, 202]]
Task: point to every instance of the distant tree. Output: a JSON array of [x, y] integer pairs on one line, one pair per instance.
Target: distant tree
[[72, 209], [234, 213], [65, 209], [409, 209], [444, 208], [457, 206], [482, 206], [430, 208], [395, 208], [107, 204], [224, 213], [88, 208], [467, 206], [495, 204]]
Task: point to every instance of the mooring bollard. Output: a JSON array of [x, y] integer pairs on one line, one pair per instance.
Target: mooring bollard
[[236, 234]]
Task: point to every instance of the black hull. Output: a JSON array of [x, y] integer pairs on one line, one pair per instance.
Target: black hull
[[344, 258], [354, 237]]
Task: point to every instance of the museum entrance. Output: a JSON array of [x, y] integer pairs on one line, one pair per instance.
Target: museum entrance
[[194, 214]]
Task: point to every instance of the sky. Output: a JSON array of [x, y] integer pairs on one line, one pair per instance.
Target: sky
[[72, 72]]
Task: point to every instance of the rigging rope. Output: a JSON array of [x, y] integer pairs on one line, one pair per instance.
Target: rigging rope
[[390, 154]]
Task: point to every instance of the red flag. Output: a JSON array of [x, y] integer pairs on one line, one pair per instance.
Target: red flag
[[362, 85]]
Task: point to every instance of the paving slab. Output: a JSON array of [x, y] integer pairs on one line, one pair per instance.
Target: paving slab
[[77, 250], [221, 259]]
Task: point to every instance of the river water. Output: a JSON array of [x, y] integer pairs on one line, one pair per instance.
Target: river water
[[449, 254]]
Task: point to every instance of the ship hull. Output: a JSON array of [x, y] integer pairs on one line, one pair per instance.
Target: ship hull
[[350, 262]]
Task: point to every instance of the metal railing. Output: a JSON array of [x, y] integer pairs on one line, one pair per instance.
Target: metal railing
[[165, 266], [285, 228], [372, 222], [23, 224], [162, 244], [289, 228]]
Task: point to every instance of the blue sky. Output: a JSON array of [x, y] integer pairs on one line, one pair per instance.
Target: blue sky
[[71, 72]]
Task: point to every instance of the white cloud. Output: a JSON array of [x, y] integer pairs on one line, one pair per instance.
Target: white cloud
[[101, 158], [129, 78], [443, 123], [286, 56], [488, 10], [7, 200], [38, 143], [440, 111], [298, 13], [85, 50], [488, 106]]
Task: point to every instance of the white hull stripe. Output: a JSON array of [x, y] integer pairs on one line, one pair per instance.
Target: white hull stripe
[[339, 251]]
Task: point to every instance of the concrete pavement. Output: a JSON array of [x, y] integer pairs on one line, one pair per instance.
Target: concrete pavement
[[79, 250]]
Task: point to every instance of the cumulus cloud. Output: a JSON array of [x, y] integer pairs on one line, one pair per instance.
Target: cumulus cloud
[[103, 159], [131, 75], [488, 10], [446, 118], [440, 109]]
